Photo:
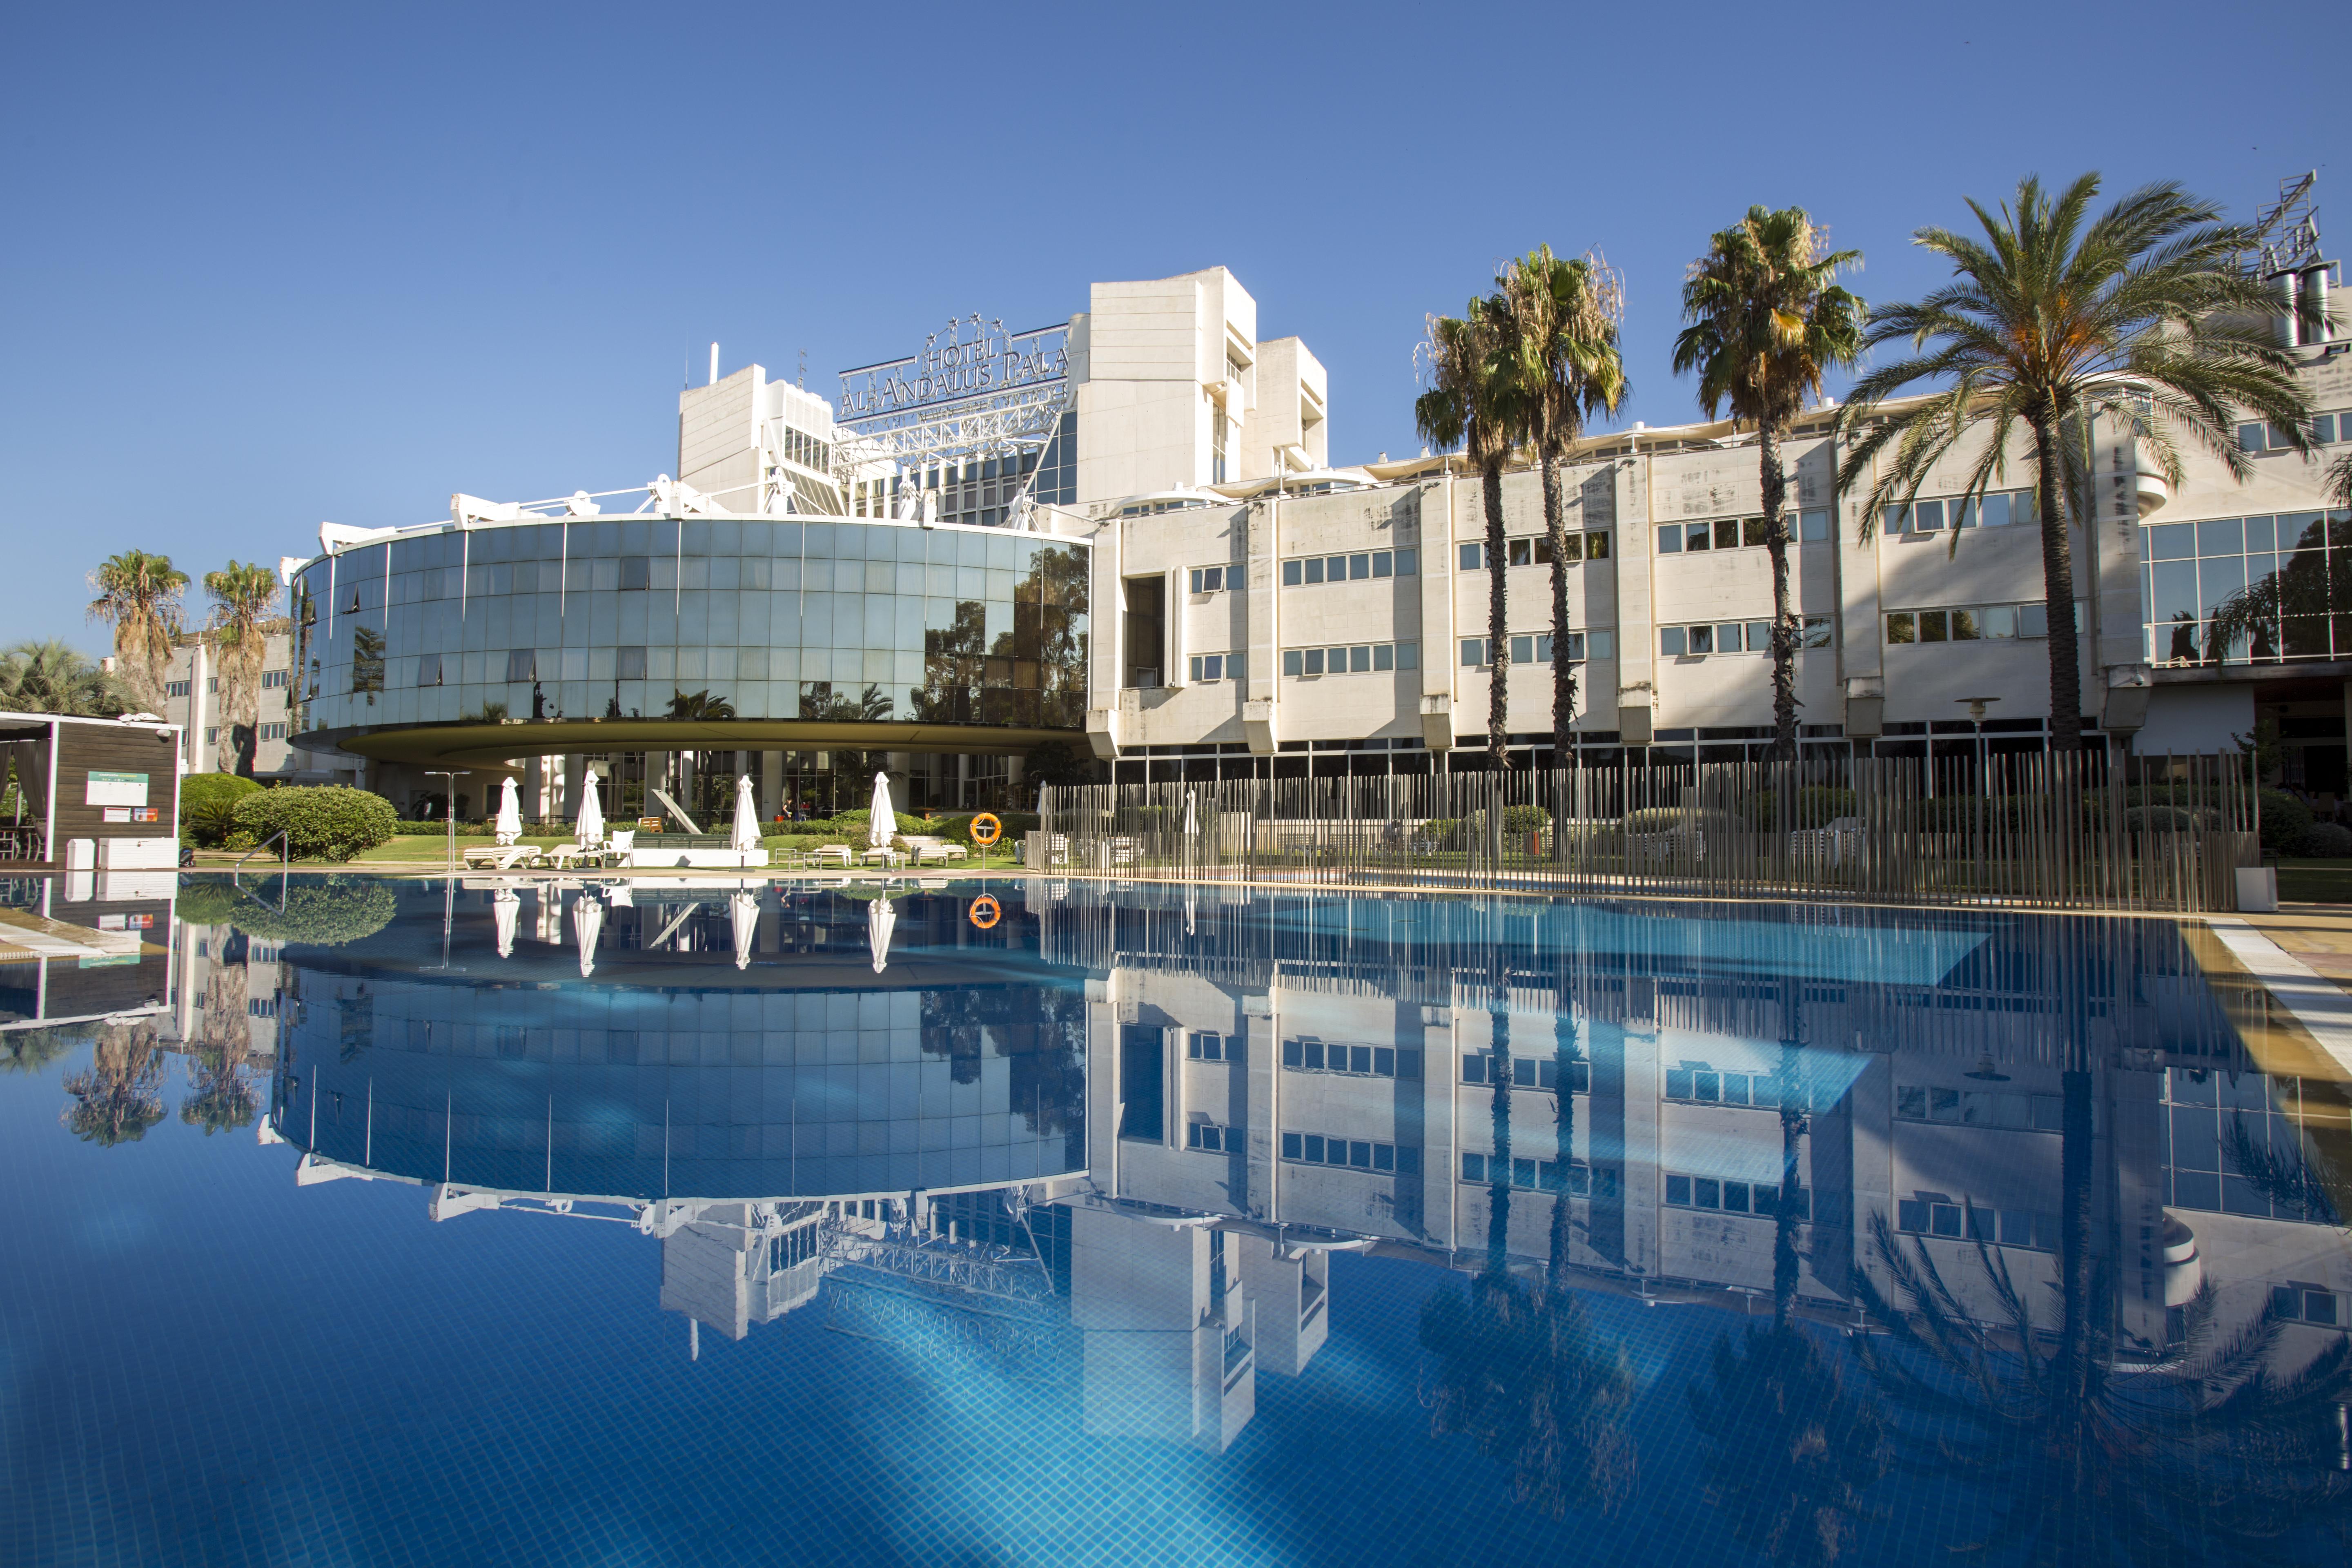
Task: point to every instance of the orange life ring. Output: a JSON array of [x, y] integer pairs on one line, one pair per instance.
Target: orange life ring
[[986, 911], [986, 830]]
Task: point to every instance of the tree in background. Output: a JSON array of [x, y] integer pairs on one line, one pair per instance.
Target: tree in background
[[139, 594], [1467, 405], [1767, 317], [2053, 321], [1563, 367], [244, 599], [52, 677]]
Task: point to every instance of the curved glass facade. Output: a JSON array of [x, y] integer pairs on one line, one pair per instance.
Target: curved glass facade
[[703, 618]]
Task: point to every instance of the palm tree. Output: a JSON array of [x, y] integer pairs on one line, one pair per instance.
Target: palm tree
[[1767, 317], [2053, 321], [244, 600], [53, 677], [140, 595], [1468, 405], [1565, 368], [120, 1094]]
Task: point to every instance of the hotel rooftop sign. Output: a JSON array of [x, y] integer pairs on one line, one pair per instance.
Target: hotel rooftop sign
[[965, 361]]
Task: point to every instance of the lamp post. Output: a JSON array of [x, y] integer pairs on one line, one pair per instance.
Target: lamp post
[[1976, 707], [449, 879]]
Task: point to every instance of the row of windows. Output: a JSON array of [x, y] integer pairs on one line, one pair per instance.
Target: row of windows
[[1936, 1215], [1304, 571], [524, 666], [1706, 1086], [1732, 1197], [1734, 533], [1357, 1154], [1536, 647], [1999, 509], [1216, 667], [1978, 1108], [1201, 1046], [1737, 636], [1528, 1072], [1590, 545], [1356, 659], [2310, 1303], [2325, 428], [1977, 623], [268, 733], [1331, 1056], [1539, 1176]]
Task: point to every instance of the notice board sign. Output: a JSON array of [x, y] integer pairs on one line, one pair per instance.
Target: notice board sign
[[115, 789]]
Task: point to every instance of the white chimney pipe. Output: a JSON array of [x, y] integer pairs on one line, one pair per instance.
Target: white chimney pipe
[[714, 364]]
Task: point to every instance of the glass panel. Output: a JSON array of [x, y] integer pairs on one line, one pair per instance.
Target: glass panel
[[1696, 536], [1670, 539], [1672, 641], [1932, 625], [1702, 639], [2221, 536], [1993, 512], [1815, 525], [1751, 530], [2001, 622], [1930, 517], [1964, 626], [1902, 626], [1727, 533], [1759, 636]]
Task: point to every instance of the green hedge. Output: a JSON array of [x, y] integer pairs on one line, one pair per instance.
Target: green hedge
[[326, 822], [208, 807], [322, 912]]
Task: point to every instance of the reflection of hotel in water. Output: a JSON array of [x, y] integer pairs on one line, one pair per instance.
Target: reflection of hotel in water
[[1113, 1142]]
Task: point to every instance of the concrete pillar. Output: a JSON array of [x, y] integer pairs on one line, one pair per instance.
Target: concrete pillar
[[771, 785], [534, 789], [576, 770]]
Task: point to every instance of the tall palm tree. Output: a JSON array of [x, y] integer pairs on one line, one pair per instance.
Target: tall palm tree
[[244, 599], [1767, 317], [2053, 321], [1564, 367], [1469, 406], [140, 595], [118, 1095], [53, 677]]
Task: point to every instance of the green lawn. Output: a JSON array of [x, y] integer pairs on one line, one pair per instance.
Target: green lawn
[[2315, 881]]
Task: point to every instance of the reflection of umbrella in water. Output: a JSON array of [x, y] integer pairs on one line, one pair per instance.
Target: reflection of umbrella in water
[[743, 911], [505, 909], [590, 830], [881, 920], [746, 836], [885, 820], [1188, 910], [508, 826], [1192, 822], [588, 924]]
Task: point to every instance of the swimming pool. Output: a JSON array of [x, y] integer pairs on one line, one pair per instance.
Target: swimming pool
[[384, 1219]]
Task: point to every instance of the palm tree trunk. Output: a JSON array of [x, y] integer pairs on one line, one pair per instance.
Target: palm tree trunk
[[2058, 594], [1784, 614], [1498, 630], [1784, 1218], [1564, 1055], [1563, 668], [2074, 1225]]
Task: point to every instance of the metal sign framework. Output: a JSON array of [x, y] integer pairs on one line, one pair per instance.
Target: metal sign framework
[[975, 392]]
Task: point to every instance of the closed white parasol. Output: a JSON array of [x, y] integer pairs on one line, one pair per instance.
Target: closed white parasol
[[589, 831], [743, 913], [508, 826], [746, 836], [587, 924], [885, 824], [505, 909], [881, 920]]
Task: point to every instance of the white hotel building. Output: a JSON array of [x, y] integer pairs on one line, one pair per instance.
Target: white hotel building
[[1255, 609]]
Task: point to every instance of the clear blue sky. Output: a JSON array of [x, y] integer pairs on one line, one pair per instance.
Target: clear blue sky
[[270, 266]]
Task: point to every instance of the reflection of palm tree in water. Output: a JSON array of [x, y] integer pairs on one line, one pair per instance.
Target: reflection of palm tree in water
[[1789, 1452], [120, 1094], [2091, 1453], [1521, 1373]]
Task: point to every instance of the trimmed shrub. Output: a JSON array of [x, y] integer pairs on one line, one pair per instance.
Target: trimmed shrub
[[2284, 819], [324, 822], [1524, 819], [2324, 841], [209, 806], [324, 912]]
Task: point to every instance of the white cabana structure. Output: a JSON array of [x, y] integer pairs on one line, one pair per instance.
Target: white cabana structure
[[587, 924], [509, 826], [881, 920], [743, 913]]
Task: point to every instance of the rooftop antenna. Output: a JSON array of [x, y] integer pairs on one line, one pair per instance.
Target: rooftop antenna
[[2287, 231], [802, 382]]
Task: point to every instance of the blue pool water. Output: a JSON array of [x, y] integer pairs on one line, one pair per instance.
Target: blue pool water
[[390, 1221]]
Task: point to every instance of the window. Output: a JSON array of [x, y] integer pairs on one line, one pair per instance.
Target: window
[[428, 669], [1536, 647], [628, 663], [1933, 1214], [274, 679], [1355, 1154], [1696, 1085], [1212, 579], [1356, 659], [1305, 571], [1528, 1072], [1975, 623], [2300, 1303], [212, 734], [1203, 1047], [637, 572], [523, 664], [1536, 1175], [1216, 667], [1978, 1108], [1309, 1055], [1590, 544], [1738, 533], [1737, 636], [1209, 1138], [1996, 509], [178, 688], [273, 731], [1732, 1197]]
